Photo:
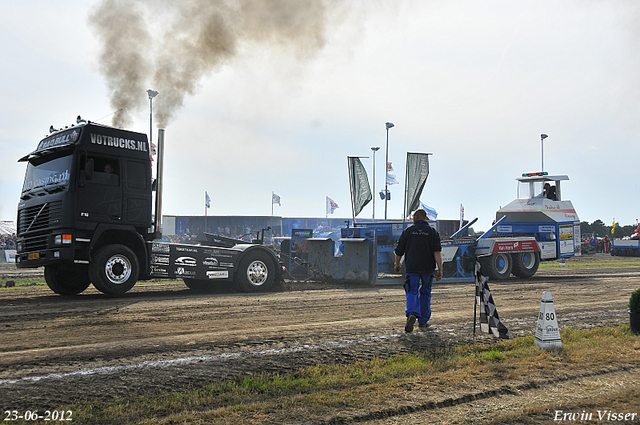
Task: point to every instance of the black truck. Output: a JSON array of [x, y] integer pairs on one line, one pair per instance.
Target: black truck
[[85, 214]]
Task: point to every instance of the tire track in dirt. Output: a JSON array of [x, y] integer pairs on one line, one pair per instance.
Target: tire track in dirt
[[512, 395]]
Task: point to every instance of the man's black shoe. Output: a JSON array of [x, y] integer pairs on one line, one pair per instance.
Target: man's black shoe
[[411, 320]]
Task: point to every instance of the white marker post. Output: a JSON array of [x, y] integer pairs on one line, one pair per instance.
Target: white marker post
[[547, 332]]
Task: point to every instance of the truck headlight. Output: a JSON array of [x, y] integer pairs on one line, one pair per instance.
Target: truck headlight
[[62, 240]]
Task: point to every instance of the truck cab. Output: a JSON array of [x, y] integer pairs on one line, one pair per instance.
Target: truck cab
[[85, 187]]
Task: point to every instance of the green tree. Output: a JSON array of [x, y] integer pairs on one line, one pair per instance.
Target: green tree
[[599, 228], [626, 230], [585, 228]]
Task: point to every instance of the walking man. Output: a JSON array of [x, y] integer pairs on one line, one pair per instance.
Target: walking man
[[420, 246]]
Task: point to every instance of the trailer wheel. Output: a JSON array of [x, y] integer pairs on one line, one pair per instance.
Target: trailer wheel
[[496, 266], [525, 264], [67, 280], [114, 270], [256, 272]]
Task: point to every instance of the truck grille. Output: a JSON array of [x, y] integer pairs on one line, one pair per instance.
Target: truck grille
[[38, 225], [35, 243]]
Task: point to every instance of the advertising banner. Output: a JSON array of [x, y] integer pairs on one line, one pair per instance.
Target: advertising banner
[[359, 185], [10, 255], [191, 261], [417, 173], [566, 239]]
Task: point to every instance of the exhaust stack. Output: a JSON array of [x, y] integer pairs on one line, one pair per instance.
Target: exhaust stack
[[157, 226]]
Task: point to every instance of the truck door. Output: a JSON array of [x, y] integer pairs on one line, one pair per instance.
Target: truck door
[[136, 193], [100, 189]]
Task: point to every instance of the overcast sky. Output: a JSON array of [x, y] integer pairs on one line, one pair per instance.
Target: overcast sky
[[474, 83]]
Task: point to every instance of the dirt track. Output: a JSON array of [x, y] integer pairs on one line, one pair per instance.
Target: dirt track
[[55, 350]]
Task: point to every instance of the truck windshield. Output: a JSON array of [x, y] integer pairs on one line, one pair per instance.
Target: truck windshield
[[48, 175]]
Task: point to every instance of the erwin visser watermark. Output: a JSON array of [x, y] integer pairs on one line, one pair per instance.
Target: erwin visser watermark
[[598, 415]]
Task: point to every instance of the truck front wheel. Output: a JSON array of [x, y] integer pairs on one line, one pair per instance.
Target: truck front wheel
[[114, 269], [525, 264], [256, 272], [496, 266], [67, 280]]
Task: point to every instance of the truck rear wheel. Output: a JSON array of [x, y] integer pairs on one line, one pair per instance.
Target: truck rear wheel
[[67, 280], [525, 264], [114, 270], [255, 273], [496, 266]]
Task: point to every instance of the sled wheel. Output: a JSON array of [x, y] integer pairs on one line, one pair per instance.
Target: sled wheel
[[496, 266], [525, 264]]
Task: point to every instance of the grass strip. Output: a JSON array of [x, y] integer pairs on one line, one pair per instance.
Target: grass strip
[[18, 283], [319, 393], [591, 263], [21, 283]]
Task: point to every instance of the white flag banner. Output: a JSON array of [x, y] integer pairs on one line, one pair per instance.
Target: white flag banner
[[391, 179], [275, 199], [331, 205]]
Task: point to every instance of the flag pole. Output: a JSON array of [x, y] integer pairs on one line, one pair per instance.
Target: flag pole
[[406, 181], [272, 193], [353, 211]]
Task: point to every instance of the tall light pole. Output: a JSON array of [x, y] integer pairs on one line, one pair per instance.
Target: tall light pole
[[386, 175], [542, 137], [152, 94], [374, 149]]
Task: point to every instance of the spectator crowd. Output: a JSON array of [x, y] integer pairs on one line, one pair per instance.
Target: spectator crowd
[[598, 244], [8, 241]]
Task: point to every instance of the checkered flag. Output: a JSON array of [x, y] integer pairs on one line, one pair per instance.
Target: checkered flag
[[489, 320]]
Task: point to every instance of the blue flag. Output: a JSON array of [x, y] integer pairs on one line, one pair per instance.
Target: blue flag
[[431, 212]]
